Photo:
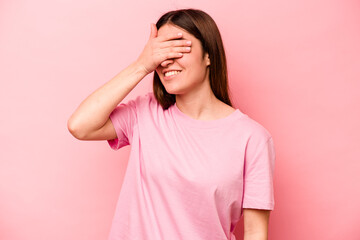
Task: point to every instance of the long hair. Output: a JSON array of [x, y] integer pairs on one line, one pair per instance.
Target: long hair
[[203, 27]]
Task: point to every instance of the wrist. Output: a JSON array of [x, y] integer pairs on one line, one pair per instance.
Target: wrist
[[140, 68]]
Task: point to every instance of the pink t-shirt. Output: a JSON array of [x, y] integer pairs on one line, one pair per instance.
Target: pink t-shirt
[[186, 178]]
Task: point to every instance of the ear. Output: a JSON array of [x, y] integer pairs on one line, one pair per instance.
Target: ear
[[207, 59]]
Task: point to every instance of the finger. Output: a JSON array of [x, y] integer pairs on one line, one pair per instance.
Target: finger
[[153, 33], [171, 55], [180, 49], [175, 43], [175, 52]]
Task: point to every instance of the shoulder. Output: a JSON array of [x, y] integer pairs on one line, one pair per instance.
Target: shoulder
[[255, 131], [147, 97], [145, 104], [142, 100]]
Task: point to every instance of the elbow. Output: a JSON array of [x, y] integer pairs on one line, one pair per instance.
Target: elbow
[[75, 131]]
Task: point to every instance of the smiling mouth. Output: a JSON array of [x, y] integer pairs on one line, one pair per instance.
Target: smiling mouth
[[171, 73]]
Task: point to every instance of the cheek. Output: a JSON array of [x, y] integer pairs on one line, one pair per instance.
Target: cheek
[[187, 60], [191, 62]]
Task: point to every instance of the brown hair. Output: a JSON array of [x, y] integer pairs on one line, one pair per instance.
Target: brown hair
[[203, 27]]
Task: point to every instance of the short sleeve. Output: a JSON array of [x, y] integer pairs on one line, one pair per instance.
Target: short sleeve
[[123, 118], [258, 175]]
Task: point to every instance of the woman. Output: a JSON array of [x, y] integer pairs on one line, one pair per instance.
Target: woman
[[197, 164]]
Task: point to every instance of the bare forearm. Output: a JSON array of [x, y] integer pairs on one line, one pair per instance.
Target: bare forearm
[[256, 222], [94, 111]]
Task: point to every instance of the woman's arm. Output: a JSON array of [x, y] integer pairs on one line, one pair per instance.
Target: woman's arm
[[256, 224], [93, 112]]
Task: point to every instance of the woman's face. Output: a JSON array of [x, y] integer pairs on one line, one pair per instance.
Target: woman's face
[[192, 66]]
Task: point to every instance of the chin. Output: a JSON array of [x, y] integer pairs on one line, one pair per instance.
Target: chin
[[175, 91]]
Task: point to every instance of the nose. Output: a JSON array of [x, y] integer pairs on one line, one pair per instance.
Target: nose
[[167, 62]]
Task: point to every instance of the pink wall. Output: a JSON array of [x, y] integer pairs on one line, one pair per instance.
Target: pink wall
[[294, 66]]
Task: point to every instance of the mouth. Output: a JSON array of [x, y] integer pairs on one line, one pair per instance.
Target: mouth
[[171, 74]]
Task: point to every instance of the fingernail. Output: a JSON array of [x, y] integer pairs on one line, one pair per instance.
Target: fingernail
[[188, 42], [179, 34]]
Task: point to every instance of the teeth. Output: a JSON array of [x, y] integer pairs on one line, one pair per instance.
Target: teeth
[[171, 73]]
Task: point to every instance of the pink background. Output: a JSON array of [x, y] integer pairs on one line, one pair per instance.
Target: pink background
[[294, 66]]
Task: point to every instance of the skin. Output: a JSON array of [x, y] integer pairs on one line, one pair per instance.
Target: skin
[[194, 96], [256, 223]]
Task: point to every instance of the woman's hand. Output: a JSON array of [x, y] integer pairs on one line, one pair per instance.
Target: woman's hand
[[161, 50]]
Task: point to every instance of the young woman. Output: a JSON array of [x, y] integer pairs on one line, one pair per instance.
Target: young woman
[[197, 164]]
